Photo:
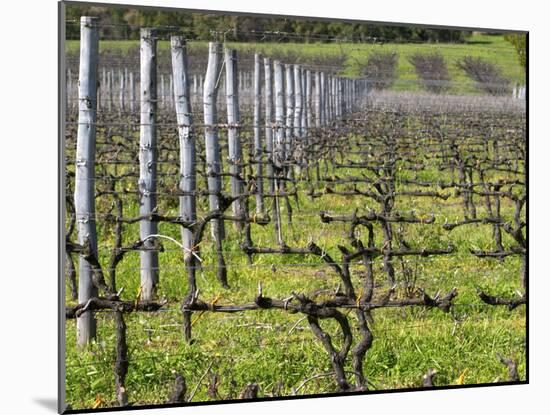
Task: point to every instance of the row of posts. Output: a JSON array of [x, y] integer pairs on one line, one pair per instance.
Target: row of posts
[[519, 91], [296, 101], [117, 89]]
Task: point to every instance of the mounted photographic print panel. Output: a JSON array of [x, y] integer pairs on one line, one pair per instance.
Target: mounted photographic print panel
[[263, 207]]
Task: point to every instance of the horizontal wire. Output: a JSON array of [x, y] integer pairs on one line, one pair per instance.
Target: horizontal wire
[[450, 257], [242, 315], [248, 90], [365, 39], [418, 215]]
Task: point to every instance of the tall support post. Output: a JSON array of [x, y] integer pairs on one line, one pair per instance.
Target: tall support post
[[319, 117], [279, 150], [279, 146], [340, 94], [233, 139], [289, 136], [268, 77], [132, 92], [309, 115], [357, 94], [162, 92], [360, 94], [347, 89], [122, 91], [126, 82], [318, 99], [188, 175], [297, 101], [213, 154], [330, 98], [323, 100], [148, 160], [334, 97], [326, 100], [298, 107], [170, 89], [349, 83], [303, 124], [195, 95], [110, 90], [309, 112], [84, 197], [102, 89], [289, 90], [258, 148], [338, 100], [69, 90], [352, 88]]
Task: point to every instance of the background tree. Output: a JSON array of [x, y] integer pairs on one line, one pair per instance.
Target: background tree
[[431, 69], [486, 74], [519, 41], [124, 23]]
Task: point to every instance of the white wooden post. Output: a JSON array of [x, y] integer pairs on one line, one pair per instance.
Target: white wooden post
[[268, 78], [148, 159], [279, 146], [132, 93], [323, 100], [111, 89], [279, 150], [235, 151], [84, 170], [317, 99], [162, 92], [187, 183], [170, 89], [103, 89], [303, 124], [212, 146], [258, 148], [289, 90], [122, 87], [297, 101]]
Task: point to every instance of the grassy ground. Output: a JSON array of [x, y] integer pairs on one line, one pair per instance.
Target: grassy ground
[[277, 350], [354, 56]]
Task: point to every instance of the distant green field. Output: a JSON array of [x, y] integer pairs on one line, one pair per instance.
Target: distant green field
[[354, 55]]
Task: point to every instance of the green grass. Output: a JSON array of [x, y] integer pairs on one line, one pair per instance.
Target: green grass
[[276, 349], [491, 47]]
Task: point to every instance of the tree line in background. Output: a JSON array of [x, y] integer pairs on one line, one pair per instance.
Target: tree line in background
[[124, 23], [431, 68]]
